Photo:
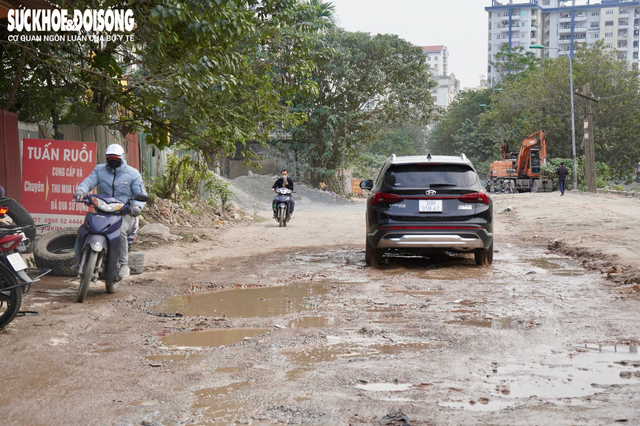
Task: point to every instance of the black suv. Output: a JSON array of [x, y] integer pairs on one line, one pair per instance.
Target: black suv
[[426, 204]]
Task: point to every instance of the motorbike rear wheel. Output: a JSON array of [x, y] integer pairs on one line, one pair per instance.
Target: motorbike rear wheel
[[10, 300], [87, 274]]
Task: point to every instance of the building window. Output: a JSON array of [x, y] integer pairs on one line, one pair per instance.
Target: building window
[[608, 23], [624, 11], [608, 45], [623, 22], [609, 12], [595, 13], [595, 35], [435, 99], [608, 34], [622, 43]]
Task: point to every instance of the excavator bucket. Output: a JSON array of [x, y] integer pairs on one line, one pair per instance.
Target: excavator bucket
[[542, 185]]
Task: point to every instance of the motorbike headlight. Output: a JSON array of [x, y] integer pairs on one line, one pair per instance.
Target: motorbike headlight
[[96, 246], [107, 207]]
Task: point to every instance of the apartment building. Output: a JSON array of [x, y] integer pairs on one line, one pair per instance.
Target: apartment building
[[448, 87], [563, 24]]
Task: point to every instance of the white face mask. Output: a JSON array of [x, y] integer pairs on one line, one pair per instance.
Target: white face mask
[[284, 177]]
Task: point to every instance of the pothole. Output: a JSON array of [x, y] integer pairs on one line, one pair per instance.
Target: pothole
[[211, 338], [338, 351], [248, 303], [311, 322], [497, 323]]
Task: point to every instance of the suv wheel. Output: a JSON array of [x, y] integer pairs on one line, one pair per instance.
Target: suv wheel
[[484, 256], [372, 257], [489, 254]]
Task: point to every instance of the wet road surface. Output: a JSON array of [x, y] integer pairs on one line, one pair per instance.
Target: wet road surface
[[316, 337]]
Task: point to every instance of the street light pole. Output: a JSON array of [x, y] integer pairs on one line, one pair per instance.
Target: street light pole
[[573, 120]]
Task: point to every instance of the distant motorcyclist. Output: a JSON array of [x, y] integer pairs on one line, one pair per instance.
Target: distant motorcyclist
[[118, 180], [284, 182]]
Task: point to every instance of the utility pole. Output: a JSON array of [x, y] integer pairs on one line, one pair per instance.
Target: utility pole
[[588, 142]]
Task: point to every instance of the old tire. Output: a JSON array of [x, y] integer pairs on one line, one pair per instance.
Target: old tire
[[20, 217], [10, 300], [489, 254], [372, 256], [136, 262], [480, 256], [55, 251]]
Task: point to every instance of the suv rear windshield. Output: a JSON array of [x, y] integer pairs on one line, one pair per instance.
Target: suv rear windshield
[[423, 176]]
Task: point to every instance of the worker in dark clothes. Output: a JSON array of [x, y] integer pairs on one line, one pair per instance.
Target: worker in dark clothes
[[504, 150], [562, 173], [284, 182]]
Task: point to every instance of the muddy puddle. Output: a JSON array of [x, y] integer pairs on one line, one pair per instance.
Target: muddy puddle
[[497, 323], [559, 379], [311, 322], [250, 303], [338, 351], [219, 405], [159, 359], [211, 338]]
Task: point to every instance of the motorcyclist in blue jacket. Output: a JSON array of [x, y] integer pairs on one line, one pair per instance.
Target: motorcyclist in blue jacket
[[116, 179]]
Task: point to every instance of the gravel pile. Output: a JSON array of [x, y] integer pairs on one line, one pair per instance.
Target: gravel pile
[[254, 193]]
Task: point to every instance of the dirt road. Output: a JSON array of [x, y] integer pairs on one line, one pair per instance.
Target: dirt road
[[287, 326]]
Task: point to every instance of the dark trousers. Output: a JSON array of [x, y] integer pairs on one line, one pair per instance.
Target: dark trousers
[[561, 182]]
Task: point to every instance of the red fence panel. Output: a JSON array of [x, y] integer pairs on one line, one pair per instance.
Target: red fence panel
[[11, 176], [133, 150]]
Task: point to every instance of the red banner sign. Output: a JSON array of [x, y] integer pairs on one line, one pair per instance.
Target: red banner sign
[[51, 172]]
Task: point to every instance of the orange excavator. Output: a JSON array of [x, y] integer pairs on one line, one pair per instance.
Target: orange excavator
[[522, 171]]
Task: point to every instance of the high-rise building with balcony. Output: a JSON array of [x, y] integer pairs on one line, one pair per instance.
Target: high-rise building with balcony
[[563, 24], [448, 87]]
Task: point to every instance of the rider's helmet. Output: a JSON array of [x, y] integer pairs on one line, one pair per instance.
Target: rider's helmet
[[114, 154]]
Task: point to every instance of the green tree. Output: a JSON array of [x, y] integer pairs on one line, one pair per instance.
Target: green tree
[[208, 73], [511, 63], [403, 140], [371, 83]]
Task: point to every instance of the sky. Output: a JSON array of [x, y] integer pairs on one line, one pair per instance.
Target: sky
[[461, 25]]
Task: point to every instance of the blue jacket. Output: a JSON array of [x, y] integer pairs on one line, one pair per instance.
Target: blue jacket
[[122, 183]]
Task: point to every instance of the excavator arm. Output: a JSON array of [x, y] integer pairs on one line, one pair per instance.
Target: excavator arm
[[538, 138]]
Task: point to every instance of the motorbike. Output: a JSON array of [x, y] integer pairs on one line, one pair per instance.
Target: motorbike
[[99, 241], [281, 212], [16, 277]]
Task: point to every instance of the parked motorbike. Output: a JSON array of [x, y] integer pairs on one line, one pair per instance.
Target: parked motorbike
[[280, 204], [16, 277], [99, 241]]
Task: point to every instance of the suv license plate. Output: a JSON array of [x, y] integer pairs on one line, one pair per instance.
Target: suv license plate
[[429, 205], [17, 262]]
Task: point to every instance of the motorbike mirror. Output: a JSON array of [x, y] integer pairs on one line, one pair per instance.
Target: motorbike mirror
[[366, 184], [141, 197]]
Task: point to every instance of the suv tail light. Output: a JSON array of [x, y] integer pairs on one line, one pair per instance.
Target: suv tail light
[[475, 197], [385, 197]]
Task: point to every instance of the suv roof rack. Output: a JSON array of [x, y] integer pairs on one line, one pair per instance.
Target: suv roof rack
[[464, 157], [393, 157]]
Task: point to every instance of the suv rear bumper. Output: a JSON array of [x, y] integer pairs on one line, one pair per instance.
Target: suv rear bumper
[[463, 238]]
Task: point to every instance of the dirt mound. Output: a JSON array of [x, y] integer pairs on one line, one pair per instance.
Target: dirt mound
[[254, 193]]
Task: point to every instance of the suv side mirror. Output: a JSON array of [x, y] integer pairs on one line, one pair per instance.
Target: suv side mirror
[[367, 184]]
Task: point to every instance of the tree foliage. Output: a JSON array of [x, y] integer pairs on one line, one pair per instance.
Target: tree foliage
[[540, 99], [512, 63], [209, 73], [370, 84]]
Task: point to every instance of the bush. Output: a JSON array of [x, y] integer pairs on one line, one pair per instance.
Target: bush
[[602, 172], [187, 179]]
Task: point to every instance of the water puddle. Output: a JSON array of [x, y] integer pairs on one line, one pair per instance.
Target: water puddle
[[498, 324], [211, 338], [165, 358], [568, 272], [385, 387], [248, 303], [221, 403], [338, 351], [311, 322], [545, 263]]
